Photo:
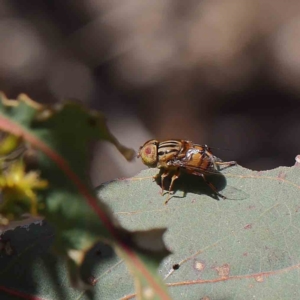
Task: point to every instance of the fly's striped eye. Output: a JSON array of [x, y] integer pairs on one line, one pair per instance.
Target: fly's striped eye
[[148, 153]]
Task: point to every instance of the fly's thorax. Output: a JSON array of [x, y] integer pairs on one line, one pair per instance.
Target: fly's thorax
[[168, 150], [148, 153], [190, 153]]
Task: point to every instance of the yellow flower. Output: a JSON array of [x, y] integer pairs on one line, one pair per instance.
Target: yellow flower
[[18, 190]]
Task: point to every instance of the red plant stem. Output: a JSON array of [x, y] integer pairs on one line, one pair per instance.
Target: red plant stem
[[20, 294]]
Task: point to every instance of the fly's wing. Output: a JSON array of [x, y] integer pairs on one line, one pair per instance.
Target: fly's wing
[[210, 170], [189, 166], [196, 160]]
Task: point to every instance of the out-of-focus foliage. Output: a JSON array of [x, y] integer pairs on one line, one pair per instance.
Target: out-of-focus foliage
[[215, 73], [60, 190]]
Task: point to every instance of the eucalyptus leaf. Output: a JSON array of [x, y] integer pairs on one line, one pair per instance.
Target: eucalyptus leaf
[[246, 247], [222, 249]]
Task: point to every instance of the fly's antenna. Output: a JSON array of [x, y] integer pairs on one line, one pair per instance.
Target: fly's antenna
[[222, 149]]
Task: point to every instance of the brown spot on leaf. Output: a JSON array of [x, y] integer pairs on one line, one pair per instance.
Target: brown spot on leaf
[[176, 267], [245, 254], [281, 175], [198, 265], [148, 293], [223, 271], [259, 278], [251, 206], [205, 298], [249, 226]]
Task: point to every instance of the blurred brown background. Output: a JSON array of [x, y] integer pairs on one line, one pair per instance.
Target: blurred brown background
[[225, 73]]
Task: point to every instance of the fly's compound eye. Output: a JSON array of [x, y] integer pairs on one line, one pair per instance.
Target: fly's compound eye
[[148, 153]]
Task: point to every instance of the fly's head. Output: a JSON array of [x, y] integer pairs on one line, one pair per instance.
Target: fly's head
[[148, 153]]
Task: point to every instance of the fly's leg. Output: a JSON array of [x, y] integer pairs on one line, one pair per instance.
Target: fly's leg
[[165, 174], [174, 177], [211, 186], [213, 158], [155, 177], [226, 163]]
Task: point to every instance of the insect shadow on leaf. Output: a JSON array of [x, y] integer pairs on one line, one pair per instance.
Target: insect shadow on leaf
[[189, 183]]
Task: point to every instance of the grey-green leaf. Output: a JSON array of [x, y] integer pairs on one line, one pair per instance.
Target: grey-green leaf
[[243, 248]]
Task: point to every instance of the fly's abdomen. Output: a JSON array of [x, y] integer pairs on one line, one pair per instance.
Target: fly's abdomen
[[204, 163], [198, 157]]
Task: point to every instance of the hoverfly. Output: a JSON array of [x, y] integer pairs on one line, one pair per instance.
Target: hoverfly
[[174, 156]]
